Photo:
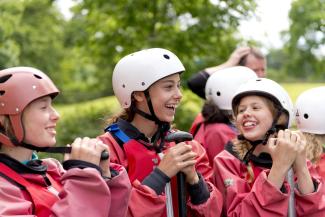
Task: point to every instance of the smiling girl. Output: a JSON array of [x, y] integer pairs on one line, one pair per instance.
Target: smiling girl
[[85, 185], [147, 85], [251, 172]]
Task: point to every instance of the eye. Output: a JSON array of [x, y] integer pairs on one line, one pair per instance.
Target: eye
[[241, 110]]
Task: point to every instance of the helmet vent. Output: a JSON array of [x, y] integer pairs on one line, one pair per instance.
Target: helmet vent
[[142, 83], [5, 78], [166, 56], [37, 76], [306, 116], [123, 85], [2, 92], [218, 93]]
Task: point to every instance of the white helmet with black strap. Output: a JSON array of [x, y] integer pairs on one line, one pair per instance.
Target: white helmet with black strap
[[309, 109]]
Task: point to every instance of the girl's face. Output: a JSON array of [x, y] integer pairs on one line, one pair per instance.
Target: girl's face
[[165, 96], [39, 120], [254, 117]]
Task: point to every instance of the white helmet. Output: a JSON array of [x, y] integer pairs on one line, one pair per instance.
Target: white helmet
[[222, 85], [310, 108], [267, 88], [139, 70]]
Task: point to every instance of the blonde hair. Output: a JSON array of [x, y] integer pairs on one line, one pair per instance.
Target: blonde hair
[[241, 147], [314, 147]]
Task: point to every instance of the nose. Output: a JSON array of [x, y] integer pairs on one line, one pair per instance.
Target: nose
[[55, 115], [178, 94], [246, 113]]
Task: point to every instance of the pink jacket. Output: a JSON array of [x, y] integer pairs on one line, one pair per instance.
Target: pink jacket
[[145, 202], [262, 199], [85, 193], [213, 136]]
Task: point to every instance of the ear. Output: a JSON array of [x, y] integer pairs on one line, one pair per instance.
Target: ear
[[139, 96]]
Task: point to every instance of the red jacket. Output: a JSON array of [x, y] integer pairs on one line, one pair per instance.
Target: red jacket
[[84, 193], [144, 200], [212, 136], [260, 198]]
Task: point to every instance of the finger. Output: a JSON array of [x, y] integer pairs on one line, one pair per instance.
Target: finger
[[280, 134], [188, 156], [182, 148], [287, 134]]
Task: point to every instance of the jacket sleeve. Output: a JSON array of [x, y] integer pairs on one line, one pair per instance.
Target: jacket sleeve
[[197, 83], [84, 193], [120, 188], [213, 206], [312, 204], [242, 199], [79, 184]]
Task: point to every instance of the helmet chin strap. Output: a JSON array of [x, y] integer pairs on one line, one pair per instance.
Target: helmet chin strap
[[273, 129], [163, 126]]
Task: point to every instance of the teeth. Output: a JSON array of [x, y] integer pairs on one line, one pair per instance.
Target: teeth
[[249, 124], [171, 106]]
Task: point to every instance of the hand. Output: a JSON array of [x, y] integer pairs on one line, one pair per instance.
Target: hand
[[283, 151], [301, 159], [176, 159], [236, 56], [191, 174], [89, 150]]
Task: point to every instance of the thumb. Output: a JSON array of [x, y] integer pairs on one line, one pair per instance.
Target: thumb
[[271, 144]]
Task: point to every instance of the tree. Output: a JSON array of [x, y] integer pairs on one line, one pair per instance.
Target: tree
[[31, 34], [200, 32], [306, 39]]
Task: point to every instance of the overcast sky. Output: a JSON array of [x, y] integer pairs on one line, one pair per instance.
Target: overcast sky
[[270, 19]]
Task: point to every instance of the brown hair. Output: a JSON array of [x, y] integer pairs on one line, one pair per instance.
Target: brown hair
[[6, 128], [125, 114], [212, 113], [315, 144], [241, 147]]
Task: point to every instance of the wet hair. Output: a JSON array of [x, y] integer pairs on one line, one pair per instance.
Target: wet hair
[[253, 51], [241, 147], [212, 114], [315, 144]]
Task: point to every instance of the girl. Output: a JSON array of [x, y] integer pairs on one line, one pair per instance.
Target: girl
[[310, 120], [251, 171], [213, 128], [31, 187], [147, 85]]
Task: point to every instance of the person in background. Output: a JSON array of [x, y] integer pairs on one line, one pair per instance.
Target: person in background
[[250, 57], [83, 186], [251, 172], [310, 119], [214, 127], [147, 86]]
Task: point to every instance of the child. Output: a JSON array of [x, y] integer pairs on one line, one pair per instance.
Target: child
[[251, 171], [147, 85], [310, 106], [214, 127], [32, 187]]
